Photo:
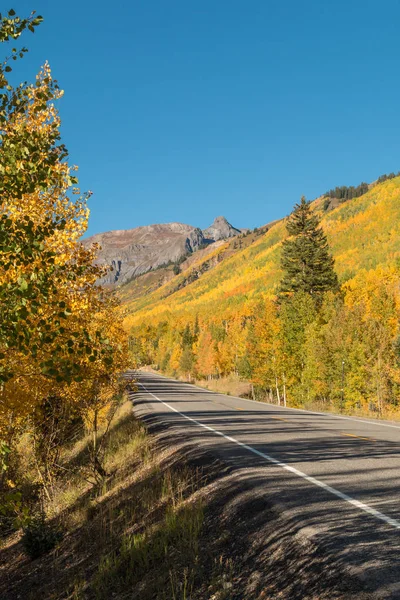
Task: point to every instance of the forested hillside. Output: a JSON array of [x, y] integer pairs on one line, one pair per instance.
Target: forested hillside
[[219, 316]]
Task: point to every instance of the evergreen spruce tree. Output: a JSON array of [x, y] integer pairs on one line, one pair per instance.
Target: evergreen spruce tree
[[307, 263], [187, 338]]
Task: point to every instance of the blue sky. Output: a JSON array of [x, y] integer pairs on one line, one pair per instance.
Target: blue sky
[[180, 110]]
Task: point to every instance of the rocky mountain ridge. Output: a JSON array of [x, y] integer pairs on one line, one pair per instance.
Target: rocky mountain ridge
[[132, 252], [220, 230]]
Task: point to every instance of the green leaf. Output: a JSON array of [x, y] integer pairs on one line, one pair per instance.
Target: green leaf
[[23, 286]]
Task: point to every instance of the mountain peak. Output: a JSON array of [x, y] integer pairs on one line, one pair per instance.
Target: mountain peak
[[221, 219], [221, 229]]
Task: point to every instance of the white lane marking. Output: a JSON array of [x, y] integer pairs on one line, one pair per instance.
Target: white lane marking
[[364, 507], [287, 408]]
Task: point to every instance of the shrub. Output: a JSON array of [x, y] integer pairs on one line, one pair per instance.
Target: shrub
[[40, 537]]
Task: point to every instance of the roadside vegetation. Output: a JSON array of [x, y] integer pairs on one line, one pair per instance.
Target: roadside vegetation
[[136, 526], [62, 345]]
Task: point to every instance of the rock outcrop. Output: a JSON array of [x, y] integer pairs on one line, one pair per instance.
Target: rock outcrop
[[221, 229]]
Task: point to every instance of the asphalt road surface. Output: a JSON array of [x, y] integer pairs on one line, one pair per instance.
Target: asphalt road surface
[[336, 478]]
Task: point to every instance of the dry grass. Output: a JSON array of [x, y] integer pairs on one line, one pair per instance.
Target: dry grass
[[388, 414], [231, 385], [138, 527]]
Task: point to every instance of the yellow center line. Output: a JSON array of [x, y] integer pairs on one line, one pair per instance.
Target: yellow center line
[[280, 419], [238, 408], [366, 439]]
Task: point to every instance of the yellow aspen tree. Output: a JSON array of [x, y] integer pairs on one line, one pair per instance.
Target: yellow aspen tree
[[48, 292]]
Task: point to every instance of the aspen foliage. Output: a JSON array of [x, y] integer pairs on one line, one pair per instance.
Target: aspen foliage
[[337, 349], [62, 346]]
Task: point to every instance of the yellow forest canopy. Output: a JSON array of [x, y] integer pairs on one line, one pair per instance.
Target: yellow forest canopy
[[227, 322], [363, 233]]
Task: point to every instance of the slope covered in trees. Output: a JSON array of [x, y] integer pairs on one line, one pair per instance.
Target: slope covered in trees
[[362, 234], [344, 352]]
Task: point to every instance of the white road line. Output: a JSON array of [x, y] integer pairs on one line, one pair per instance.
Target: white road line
[[360, 505], [288, 408]]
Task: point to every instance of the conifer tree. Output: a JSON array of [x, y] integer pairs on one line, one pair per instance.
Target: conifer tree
[[306, 260], [196, 330], [187, 361], [187, 338]]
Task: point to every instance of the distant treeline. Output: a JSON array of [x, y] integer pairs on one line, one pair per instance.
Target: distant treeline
[[345, 192], [385, 177]]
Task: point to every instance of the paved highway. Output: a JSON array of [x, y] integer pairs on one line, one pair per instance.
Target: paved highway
[[336, 478]]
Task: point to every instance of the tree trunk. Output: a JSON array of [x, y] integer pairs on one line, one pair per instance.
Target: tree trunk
[[378, 386], [284, 389], [277, 391]]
